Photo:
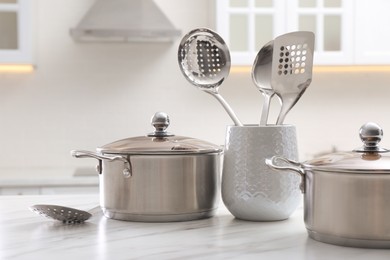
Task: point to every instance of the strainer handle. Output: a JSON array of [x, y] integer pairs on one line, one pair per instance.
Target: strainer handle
[[228, 109]]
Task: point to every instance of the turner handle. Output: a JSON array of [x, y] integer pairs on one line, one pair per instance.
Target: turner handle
[[282, 115]]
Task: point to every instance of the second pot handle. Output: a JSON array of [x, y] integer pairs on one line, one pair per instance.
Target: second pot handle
[[281, 163], [127, 171]]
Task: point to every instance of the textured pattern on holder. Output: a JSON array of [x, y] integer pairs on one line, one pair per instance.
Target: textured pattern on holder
[[250, 189]]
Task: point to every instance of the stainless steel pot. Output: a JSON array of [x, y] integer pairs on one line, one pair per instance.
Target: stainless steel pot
[[347, 195], [159, 177]]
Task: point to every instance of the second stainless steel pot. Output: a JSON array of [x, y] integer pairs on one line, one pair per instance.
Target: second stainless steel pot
[[347, 195], [160, 177]]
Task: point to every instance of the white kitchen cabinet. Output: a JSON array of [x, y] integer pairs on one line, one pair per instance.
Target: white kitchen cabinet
[[372, 41], [19, 191], [46, 181], [49, 190], [348, 32], [246, 25], [69, 190], [15, 31]]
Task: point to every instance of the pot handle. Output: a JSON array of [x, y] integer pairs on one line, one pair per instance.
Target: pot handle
[[281, 163], [127, 171]]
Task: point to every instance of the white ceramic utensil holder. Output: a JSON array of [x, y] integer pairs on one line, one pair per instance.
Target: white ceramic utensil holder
[[250, 189]]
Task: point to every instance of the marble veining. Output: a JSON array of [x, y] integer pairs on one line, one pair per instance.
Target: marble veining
[[25, 235]]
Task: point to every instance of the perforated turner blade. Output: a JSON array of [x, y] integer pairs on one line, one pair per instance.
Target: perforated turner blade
[[64, 214], [292, 67]]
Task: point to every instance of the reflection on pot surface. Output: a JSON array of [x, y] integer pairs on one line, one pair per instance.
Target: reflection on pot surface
[[159, 177], [347, 195]]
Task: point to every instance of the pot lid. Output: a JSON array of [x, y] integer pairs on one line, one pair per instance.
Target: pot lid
[[160, 142], [368, 158]]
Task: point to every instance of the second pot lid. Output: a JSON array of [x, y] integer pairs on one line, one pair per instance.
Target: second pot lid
[[159, 142], [370, 158]]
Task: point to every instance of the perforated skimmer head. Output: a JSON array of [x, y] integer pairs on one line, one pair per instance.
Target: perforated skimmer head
[[204, 59], [64, 214]]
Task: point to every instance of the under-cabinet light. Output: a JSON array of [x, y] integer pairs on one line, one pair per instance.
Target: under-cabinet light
[[368, 68], [17, 68]]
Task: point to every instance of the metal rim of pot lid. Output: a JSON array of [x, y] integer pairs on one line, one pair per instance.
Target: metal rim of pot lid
[[370, 158], [160, 142]]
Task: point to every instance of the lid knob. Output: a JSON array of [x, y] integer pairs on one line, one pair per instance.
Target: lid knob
[[160, 121], [371, 134]]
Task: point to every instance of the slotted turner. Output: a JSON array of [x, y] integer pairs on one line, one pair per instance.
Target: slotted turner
[[292, 66]]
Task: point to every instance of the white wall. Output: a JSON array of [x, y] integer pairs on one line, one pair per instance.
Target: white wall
[[86, 95]]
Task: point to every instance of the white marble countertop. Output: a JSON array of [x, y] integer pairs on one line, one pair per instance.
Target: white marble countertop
[[25, 235]]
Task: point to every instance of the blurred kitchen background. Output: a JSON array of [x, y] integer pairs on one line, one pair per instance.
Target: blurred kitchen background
[[83, 95]]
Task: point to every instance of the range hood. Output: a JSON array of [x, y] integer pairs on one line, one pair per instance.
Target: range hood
[[124, 21]]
